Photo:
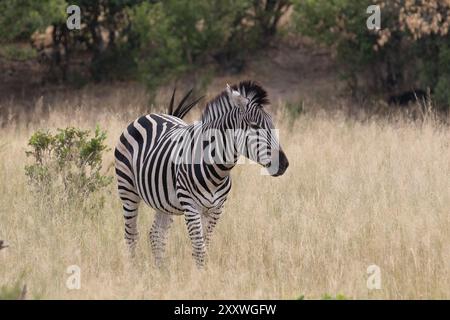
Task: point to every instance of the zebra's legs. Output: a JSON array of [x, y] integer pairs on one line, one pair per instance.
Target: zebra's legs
[[158, 235], [130, 213], [209, 222], [195, 231]]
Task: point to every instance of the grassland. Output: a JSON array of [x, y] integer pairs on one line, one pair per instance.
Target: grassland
[[356, 193]]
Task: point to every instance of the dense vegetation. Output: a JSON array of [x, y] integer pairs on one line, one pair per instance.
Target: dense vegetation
[[154, 40], [67, 164], [412, 49], [157, 41]]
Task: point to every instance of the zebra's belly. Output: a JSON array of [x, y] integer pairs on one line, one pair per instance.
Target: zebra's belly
[[157, 186]]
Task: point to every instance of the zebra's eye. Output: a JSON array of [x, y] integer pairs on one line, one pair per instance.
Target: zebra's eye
[[253, 126]]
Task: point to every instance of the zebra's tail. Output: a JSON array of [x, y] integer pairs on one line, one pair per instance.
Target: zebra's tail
[[183, 107]]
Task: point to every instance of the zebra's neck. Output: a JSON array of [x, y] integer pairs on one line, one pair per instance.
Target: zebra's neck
[[217, 109], [217, 125]]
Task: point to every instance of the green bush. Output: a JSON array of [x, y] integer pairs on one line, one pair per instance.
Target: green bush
[[153, 40], [294, 110], [179, 36], [341, 25], [410, 51], [20, 18], [326, 296], [18, 53], [440, 78], [15, 292], [67, 166], [338, 296]]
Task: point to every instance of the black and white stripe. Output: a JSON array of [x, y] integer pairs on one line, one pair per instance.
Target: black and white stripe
[[181, 169]]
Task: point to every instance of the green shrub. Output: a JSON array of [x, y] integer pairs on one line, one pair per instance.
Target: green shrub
[[338, 296], [20, 18], [326, 296], [409, 52], [341, 25], [155, 41], [442, 91], [18, 53], [294, 110], [67, 166], [15, 292], [179, 36]]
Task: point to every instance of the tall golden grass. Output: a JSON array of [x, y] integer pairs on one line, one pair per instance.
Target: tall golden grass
[[355, 194]]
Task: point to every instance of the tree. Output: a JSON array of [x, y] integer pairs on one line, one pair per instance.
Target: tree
[[20, 18], [155, 39], [411, 49], [175, 36], [268, 14]]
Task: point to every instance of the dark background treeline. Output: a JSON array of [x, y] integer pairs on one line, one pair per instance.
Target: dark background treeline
[[156, 42]]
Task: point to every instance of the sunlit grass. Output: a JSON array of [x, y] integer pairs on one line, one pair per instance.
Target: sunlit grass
[[355, 194]]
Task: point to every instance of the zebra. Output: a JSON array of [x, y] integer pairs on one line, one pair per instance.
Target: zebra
[[161, 160]]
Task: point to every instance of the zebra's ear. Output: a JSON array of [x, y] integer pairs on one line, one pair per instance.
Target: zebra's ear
[[238, 99]]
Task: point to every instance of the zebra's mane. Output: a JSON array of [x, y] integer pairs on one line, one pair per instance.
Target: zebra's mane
[[249, 89], [253, 91]]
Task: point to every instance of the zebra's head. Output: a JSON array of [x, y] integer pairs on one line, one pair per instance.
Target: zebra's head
[[257, 138]]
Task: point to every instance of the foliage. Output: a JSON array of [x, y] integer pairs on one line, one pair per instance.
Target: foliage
[[341, 24], [67, 164], [294, 110], [18, 53], [155, 40], [20, 18], [105, 35], [410, 50], [10, 293], [176, 36], [338, 296], [326, 296], [16, 291], [160, 54]]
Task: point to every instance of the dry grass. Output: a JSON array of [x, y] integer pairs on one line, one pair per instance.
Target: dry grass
[[355, 194]]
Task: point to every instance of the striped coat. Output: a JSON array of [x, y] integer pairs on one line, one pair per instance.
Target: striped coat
[[181, 169]]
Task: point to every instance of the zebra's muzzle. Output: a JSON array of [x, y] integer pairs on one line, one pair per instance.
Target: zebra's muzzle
[[278, 165]]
